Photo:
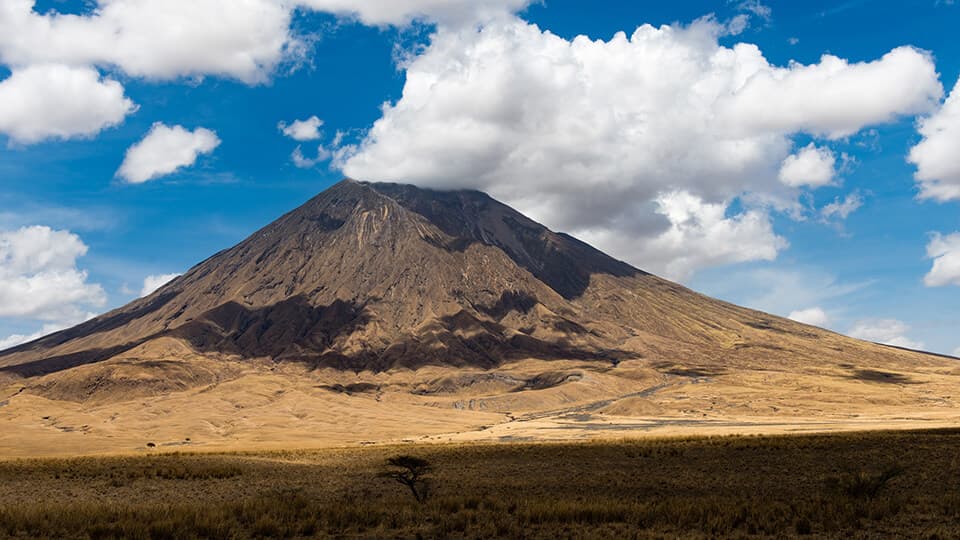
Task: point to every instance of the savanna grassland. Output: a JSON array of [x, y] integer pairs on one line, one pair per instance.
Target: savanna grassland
[[896, 484]]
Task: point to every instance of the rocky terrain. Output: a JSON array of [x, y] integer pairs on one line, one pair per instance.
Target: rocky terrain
[[384, 312]]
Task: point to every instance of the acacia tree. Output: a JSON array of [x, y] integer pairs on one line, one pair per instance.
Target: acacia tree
[[411, 472]]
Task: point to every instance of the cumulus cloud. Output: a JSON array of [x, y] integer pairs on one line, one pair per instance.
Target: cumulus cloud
[[39, 278], [302, 130], [589, 136], [945, 252], [56, 92], [835, 98], [161, 39], [938, 166], [165, 150], [53, 101], [814, 316], [699, 235], [887, 331], [152, 283], [166, 39], [811, 166]]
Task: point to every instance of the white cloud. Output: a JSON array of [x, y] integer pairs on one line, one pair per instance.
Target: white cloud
[[841, 209], [166, 39], [56, 91], [811, 166], [887, 331], [39, 278], [835, 98], [302, 130], [588, 136], [945, 252], [699, 235], [305, 130], [401, 12], [51, 101], [161, 39], [936, 157], [814, 316], [956, 352], [152, 283], [164, 150]]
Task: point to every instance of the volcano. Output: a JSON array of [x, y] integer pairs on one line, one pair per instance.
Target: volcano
[[443, 314]]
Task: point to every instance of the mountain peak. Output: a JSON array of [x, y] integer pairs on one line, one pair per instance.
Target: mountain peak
[[356, 272], [372, 276], [559, 260]]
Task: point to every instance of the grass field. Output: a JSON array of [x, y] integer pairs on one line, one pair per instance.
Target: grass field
[[897, 484]]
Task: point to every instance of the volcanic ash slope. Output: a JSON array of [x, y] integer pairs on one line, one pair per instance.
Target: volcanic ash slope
[[385, 312]]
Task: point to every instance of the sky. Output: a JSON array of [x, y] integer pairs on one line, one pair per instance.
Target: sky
[[802, 158]]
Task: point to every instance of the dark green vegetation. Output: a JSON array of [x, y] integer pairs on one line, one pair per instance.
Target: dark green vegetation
[[898, 484]]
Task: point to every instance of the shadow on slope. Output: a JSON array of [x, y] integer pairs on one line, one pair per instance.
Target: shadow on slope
[[872, 375], [287, 329], [294, 330]]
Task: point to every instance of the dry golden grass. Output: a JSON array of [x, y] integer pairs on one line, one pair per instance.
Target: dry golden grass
[[440, 317], [863, 485], [119, 406]]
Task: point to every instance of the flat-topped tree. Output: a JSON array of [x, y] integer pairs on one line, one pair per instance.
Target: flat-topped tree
[[411, 472]]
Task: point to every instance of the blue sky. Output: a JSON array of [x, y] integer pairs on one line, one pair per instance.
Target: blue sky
[[681, 172]]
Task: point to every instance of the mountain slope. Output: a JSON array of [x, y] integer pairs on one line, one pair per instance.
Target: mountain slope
[[353, 277], [368, 281], [373, 276]]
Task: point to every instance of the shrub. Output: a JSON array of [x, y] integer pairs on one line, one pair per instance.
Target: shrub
[[411, 472]]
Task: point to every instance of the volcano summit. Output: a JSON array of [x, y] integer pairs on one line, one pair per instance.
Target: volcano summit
[[379, 312]]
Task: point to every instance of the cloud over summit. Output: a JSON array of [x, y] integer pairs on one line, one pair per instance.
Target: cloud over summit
[[589, 136]]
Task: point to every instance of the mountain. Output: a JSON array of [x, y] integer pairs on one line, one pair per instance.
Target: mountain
[[437, 301]]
